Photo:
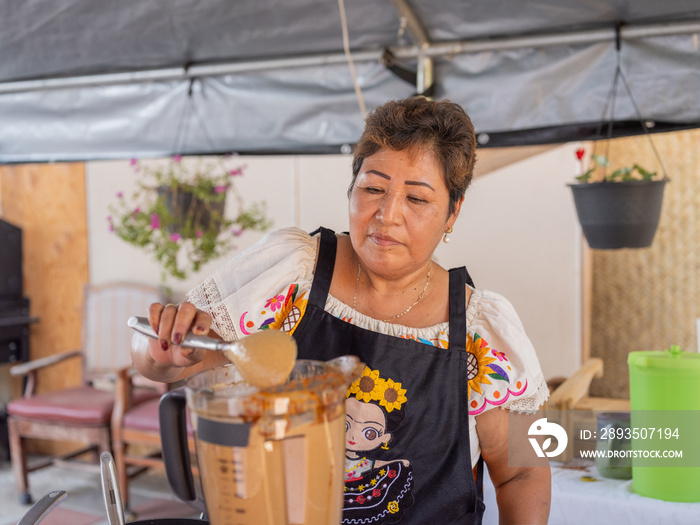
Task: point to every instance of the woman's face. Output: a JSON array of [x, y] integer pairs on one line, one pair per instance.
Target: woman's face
[[365, 426], [399, 210]]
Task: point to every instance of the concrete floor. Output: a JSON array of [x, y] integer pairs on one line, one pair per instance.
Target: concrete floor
[[150, 494]]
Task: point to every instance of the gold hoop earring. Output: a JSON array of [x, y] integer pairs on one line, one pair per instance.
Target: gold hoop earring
[[446, 236]]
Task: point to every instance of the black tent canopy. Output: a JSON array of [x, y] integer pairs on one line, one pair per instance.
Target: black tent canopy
[[94, 80]]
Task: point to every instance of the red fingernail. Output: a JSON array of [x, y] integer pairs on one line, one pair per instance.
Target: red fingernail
[[163, 344], [177, 339], [200, 329]]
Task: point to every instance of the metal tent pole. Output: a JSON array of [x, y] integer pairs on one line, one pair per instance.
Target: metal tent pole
[[430, 51]]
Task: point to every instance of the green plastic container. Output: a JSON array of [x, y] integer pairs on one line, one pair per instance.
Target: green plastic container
[[664, 381]]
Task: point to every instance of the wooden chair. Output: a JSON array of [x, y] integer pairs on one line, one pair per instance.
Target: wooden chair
[[136, 433], [82, 413]]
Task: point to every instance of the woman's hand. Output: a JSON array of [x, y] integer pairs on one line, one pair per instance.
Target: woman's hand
[[162, 359], [172, 322]]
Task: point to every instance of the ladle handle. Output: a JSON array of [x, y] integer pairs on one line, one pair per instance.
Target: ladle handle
[[141, 324]]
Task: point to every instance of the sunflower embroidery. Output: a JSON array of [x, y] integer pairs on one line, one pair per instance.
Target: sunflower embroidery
[[478, 362], [393, 396], [368, 387]]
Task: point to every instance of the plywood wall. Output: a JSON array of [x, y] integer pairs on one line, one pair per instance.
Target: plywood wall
[[649, 298], [48, 202]]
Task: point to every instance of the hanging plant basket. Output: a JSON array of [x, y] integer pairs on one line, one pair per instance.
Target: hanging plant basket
[[622, 209], [619, 214], [189, 213], [177, 213]]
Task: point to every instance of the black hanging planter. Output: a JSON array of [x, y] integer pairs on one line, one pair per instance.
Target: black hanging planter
[[619, 214], [190, 213]]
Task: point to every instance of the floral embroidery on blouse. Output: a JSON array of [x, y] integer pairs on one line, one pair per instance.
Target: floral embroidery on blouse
[[290, 309], [275, 303], [481, 367], [478, 362]]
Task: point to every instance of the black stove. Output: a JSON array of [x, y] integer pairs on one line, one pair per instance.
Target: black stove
[[14, 306], [14, 313]]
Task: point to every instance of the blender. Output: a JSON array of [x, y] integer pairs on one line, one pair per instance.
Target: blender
[[266, 456]]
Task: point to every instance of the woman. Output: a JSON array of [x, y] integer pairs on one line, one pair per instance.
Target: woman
[[376, 293]]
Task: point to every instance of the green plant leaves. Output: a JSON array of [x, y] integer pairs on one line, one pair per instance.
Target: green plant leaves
[[644, 173], [585, 177], [636, 172]]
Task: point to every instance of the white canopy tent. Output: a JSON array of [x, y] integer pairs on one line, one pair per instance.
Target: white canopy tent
[[83, 80]]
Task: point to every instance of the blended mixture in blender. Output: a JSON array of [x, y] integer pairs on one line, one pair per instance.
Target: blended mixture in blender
[[273, 456]]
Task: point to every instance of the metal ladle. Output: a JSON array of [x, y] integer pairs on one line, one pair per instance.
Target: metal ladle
[[264, 359]]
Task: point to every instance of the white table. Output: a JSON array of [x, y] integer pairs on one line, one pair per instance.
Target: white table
[[601, 502]]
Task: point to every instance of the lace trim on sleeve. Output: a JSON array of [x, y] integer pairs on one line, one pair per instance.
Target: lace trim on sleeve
[[207, 297], [532, 403]]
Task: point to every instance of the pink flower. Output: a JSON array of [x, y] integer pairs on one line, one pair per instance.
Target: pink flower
[[177, 158], [155, 221], [237, 171], [275, 303], [119, 195], [175, 237], [499, 355], [199, 234], [133, 162], [136, 211], [237, 232], [220, 189], [111, 227]]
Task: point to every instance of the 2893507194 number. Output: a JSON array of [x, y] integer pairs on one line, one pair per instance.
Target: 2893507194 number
[[638, 433]]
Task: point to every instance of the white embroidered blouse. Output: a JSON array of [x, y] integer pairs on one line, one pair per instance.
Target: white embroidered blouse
[[267, 287]]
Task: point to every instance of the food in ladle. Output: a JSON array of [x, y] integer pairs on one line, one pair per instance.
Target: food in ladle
[[264, 359]]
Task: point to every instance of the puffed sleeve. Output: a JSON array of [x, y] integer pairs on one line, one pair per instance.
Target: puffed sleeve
[[264, 287], [503, 367]]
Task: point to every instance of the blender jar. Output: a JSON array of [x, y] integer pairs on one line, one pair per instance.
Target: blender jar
[[272, 456]]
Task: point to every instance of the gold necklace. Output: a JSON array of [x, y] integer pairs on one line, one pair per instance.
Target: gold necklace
[[357, 284]]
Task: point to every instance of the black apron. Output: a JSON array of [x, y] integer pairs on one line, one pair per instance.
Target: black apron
[[424, 473]]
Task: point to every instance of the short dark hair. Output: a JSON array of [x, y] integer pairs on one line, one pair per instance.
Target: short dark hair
[[442, 127]]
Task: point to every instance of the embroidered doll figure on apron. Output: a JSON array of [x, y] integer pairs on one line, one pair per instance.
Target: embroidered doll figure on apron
[[375, 489]]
